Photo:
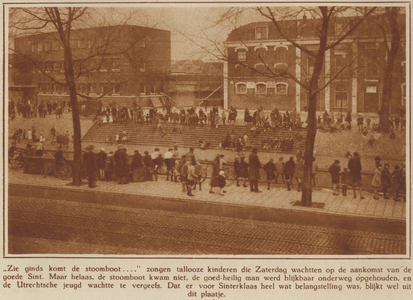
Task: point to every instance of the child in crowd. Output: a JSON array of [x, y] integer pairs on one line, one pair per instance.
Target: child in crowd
[[279, 166], [222, 182], [344, 178], [269, 168], [376, 182], [335, 175]]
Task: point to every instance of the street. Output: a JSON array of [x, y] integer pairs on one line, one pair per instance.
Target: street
[[49, 226]]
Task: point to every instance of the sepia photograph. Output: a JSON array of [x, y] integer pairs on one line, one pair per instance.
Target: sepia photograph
[[161, 130]]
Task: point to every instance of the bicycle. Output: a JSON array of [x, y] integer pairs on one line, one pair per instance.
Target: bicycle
[[50, 168]]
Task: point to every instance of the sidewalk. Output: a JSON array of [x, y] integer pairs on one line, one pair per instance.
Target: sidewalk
[[387, 216]]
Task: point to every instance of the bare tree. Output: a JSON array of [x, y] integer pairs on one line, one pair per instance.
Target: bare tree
[[320, 27], [89, 47]]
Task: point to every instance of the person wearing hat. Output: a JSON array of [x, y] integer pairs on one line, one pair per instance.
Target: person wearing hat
[[168, 159], [254, 170], [157, 161], [138, 173], [150, 166], [335, 175], [100, 160], [121, 164], [89, 161], [109, 166]]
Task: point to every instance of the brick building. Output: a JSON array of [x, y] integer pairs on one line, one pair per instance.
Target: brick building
[[119, 62], [258, 56]]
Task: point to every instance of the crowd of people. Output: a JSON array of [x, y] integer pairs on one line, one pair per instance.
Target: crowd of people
[[41, 109], [383, 178]]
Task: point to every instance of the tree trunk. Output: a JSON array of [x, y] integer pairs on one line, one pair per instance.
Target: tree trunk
[[77, 146], [306, 197], [391, 14]]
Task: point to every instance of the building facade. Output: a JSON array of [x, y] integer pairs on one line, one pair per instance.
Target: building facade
[[114, 62], [259, 61]]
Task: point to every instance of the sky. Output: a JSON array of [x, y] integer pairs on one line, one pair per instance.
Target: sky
[[193, 29]]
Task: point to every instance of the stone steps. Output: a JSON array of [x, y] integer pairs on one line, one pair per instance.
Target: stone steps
[[188, 136]]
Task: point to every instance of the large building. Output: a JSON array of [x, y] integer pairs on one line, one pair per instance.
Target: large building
[[258, 56], [114, 62]]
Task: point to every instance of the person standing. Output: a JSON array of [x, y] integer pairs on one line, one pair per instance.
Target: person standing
[[241, 171], [190, 156], [360, 123], [121, 165], [109, 166], [280, 169], [376, 182], [299, 173], [169, 163], [191, 178], [385, 180], [335, 175], [396, 177], [289, 170], [138, 174], [269, 169], [100, 160], [254, 170], [215, 173], [354, 165], [89, 161]]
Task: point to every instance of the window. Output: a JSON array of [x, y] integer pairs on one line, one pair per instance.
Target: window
[[240, 71], [370, 45], [403, 94], [313, 47], [261, 88], [341, 28], [34, 47], [261, 33], [55, 46], [261, 54], [242, 55], [280, 53], [280, 68], [372, 70], [281, 88], [47, 46], [341, 64], [241, 88], [341, 97], [261, 68]]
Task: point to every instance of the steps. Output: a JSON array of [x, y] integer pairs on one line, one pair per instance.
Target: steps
[[189, 136]]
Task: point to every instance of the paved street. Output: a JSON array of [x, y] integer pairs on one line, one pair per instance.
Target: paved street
[[50, 226]]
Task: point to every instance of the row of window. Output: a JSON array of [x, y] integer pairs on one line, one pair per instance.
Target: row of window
[[262, 88], [281, 88], [280, 53], [75, 44]]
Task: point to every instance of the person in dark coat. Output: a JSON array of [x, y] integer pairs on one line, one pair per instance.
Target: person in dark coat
[[354, 165], [100, 160], [335, 175], [241, 171], [289, 170], [121, 165], [215, 173], [150, 166], [138, 171], [385, 180], [109, 166], [269, 169], [397, 180], [89, 161], [254, 170]]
